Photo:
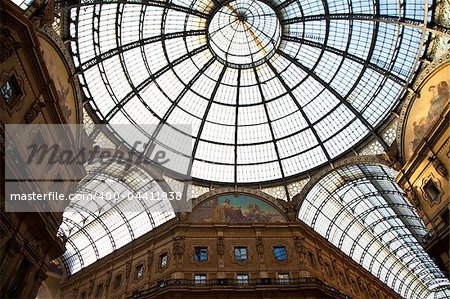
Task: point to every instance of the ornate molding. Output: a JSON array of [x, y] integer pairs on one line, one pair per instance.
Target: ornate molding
[[36, 108], [298, 244], [8, 44], [178, 246], [209, 254], [437, 183], [392, 157], [48, 32], [259, 246], [220, 246], [45, 16], [438, 166], [150, 257], [160, 268], [16, 103]]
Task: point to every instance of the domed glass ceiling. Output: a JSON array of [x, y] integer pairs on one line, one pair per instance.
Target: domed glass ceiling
[[271, 88]]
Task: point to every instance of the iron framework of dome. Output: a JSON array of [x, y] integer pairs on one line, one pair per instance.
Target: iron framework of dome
[[362, 211], [271, 88]]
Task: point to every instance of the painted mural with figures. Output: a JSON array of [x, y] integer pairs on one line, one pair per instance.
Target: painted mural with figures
[[239, 209], [426, 110]]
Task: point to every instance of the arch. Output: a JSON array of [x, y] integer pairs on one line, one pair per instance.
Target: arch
[[419, 87], [318, 176], [254, 192], [360, 209], [268, 201], [95, 226]]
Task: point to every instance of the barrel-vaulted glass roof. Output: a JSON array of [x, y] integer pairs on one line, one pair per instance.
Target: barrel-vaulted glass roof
[[272, 88], [362, 211], [103, 218]]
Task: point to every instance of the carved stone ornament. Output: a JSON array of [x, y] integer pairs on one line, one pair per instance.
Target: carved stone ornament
[[108, 278], [412, 196], [259, 246], [34, 111], [150, 257], [220, 246], [40, 276], [392, 157], [432, 199], [319, 256], [439, 166], [8, 44], [91, 286], [290, 209], [44, 16], [178, 245], [128, 269], [183, 216], [298, 244]]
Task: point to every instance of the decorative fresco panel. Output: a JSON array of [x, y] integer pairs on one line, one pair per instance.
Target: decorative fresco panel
[[230, 208]]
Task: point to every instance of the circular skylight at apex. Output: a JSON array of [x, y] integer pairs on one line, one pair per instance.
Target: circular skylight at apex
[[244, 33], [272, 89]]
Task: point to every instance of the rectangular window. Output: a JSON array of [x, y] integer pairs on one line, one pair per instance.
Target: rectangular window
[[240, 253], [242, 279], [200, 279], [139, 272], [200, 254], [279, 253], [118, 281], [432, 190], [283, 278], [10, 89], [163, 259]]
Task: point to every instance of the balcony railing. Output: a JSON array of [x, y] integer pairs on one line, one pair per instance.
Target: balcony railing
[[227, 282]]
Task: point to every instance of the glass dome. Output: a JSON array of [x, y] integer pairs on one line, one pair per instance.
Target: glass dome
[[272, 89]]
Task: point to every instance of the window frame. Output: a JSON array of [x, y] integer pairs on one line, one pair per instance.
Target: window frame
[[117, 278], [200, 282], [240, 257], [163, 260], [283, 280], [14, 84], [139, 271], [277, 258], [241, 281], [199, 259]]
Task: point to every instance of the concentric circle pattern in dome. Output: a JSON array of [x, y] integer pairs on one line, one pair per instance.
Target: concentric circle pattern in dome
[[272, 89], [244, 33]]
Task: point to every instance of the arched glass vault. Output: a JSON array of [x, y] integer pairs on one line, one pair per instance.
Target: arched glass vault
[[271, 88], [99, 224], [362, 211]]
